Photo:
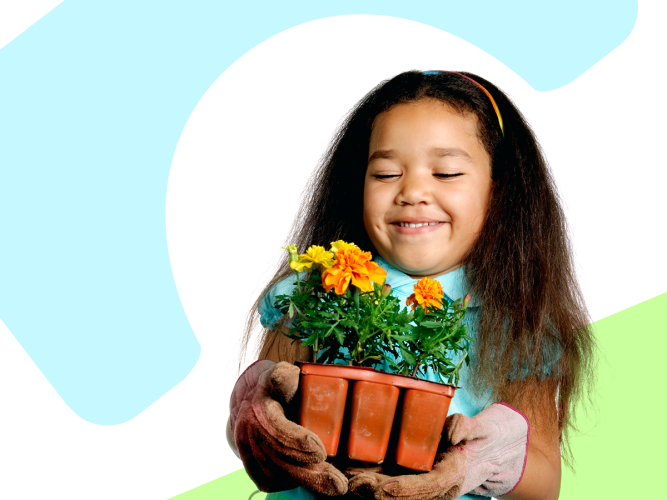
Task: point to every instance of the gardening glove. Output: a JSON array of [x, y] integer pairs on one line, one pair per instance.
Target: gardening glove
[[487, 457], [278, 454]]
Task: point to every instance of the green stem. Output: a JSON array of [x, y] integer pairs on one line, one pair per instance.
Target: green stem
[[356, 352], [376, 358], [315, 352], [355, 296], [458, 365]]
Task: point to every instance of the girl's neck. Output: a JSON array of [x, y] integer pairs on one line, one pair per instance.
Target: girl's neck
[[433, 276], [420, 276]]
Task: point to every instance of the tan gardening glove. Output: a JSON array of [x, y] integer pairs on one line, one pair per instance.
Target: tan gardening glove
[[487, 457], [278, 454]]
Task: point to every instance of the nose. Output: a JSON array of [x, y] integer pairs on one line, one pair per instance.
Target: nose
[[414, 189]]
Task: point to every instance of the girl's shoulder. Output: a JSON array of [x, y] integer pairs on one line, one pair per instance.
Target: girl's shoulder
[[269, 314]]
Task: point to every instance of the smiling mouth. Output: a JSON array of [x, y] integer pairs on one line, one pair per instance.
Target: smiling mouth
[[418, 224]]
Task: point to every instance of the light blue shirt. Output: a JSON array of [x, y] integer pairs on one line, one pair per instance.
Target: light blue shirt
[[453, 285]]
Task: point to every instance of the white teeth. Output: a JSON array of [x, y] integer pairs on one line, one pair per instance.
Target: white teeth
[[406, 224]]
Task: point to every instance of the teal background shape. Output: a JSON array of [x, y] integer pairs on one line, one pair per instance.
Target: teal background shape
[[93, 99]]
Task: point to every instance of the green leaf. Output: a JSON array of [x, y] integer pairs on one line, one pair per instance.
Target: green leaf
[[403, 337], [431, 324], [321, 324], [408, 356]]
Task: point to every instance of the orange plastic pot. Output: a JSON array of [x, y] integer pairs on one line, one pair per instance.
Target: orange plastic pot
[[374, 397], [372, 416], [322, 408], [422, 420]]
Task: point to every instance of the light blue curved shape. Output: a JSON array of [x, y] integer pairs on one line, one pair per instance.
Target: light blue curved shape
[[93, 99]]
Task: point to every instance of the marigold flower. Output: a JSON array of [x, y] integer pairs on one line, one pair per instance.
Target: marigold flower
[[352, 266], [428, 294], [314, 256], [342, 245]]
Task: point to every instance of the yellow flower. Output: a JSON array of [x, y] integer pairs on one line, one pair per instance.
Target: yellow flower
[[342, 245], [315, 255], [352, 266], [428, 294]]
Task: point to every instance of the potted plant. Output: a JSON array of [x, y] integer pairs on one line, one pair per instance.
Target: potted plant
[[354, 324]]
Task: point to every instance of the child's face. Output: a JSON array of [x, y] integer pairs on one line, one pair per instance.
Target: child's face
[[426, 166]]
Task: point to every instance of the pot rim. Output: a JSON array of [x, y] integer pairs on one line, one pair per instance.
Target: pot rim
[[363, 373]]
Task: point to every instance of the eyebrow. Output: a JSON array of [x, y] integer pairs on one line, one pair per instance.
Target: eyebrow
[[440, 152], [386, 154], [389, 154]]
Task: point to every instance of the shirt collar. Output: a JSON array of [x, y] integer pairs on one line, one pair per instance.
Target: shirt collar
[[453, 283]]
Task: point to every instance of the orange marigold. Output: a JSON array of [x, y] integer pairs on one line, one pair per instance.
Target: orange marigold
[[352, 266], [428, 294]]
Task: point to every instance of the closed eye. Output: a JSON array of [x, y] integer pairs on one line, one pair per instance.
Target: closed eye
[[447, 176], [386, 176]]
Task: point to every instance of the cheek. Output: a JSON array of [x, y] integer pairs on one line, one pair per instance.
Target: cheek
[[479, 212], [467, 210], [366, 204], [483, 202], [372, 204], [367, 212], [477, 215], [367, 221]]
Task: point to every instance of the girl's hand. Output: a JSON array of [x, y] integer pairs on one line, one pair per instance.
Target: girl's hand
[[487, 457], [277, 453]]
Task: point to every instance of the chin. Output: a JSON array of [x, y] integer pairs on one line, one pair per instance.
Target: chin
[[423, 269], [417, 269]]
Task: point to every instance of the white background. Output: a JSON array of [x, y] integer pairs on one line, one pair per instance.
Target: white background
[[239, 168]]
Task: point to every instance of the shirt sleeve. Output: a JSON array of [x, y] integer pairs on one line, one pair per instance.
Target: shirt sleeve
[[550, 354], [269, 315], [548, 368]]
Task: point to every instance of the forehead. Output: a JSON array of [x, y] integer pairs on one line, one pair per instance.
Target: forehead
[[426, 120], [426, 124]]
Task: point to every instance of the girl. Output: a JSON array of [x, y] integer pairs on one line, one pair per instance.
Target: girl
[[438, 174]]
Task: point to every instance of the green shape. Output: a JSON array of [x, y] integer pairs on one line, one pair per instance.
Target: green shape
[[613, 459], [236, 486]]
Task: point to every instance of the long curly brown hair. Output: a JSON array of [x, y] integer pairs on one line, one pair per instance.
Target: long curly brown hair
[[533, 324]]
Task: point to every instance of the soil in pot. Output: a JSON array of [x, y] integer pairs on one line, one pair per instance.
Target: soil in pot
[[322, 408], [422, 419]]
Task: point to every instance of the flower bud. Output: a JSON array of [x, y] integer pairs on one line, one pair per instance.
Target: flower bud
[[466, 300], [293, 254], [386, 290]]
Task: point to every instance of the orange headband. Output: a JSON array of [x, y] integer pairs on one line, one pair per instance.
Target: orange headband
[[493, 102]]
